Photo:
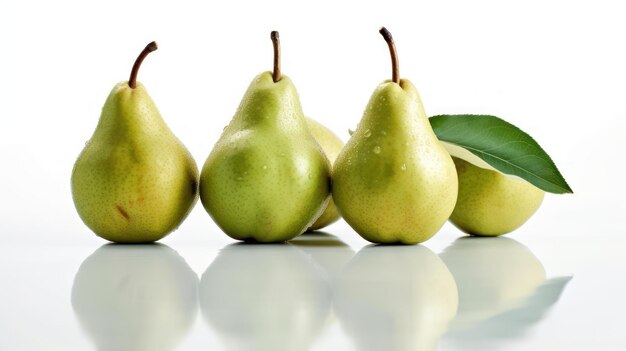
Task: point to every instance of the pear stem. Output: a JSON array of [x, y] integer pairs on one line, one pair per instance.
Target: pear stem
[[276, 41], [132, 81], [395, 66]]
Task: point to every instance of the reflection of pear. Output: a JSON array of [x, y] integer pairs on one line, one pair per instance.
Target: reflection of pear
[[492, 274], [515, 322], [395, 298], [135, 297], [266, 297], [497, 313], [327, 250]]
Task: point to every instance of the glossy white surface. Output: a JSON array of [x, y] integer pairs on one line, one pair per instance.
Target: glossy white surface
[[319, 292]]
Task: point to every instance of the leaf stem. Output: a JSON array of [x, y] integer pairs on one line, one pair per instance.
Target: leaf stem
[[395, 66], [132, 81]]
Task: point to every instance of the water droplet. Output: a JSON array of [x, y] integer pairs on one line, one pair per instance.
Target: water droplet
[[368, 133], [403, 167], [376, 149], [349, 161], [226, 126], [264, 167]]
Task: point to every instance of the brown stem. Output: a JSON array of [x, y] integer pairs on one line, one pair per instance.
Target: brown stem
[[276, 41], [395, 67], [132, 81]]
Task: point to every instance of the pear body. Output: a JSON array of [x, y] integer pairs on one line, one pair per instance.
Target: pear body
[[134, 181], [490, 203], [266, 179], [331, 145], [394, 182]]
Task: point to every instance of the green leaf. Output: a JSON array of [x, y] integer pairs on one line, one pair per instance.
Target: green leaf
[[490, 142]]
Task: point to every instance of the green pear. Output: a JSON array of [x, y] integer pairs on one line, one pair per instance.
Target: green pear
[[394, 182], [134, 181], [331, 145], [266, 179], [135, 297], [491, 203]]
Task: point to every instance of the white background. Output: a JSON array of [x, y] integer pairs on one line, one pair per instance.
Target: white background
[[556, 69]]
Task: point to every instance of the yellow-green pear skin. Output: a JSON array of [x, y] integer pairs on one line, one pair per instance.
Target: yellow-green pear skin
[[134, 181], [331, 145], [491, 203], [394, 182], [266, 179]]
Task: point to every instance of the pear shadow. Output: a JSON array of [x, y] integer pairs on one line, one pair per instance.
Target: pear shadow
[[265, 297], [395, 298], [503, 290], [135, 297], [317, 238], [327, 250]]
